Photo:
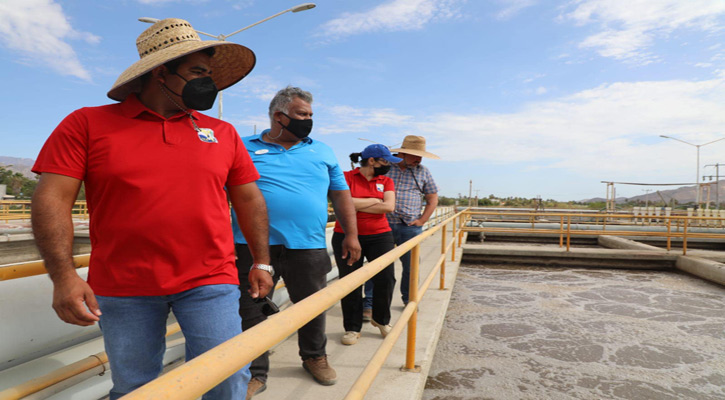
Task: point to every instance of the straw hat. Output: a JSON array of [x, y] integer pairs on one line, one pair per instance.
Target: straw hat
[[172, 38], [415, 145]]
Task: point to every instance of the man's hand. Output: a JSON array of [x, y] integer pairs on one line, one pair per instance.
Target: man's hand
[[351, 249], [69, 296], [417, 222], [260, 283]]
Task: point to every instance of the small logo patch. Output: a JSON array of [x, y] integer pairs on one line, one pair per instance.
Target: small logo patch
[[206, 135], [261, 151], [380, 187]]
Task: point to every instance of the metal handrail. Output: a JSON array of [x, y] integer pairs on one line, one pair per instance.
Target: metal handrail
[[14, 271], [199, 375], [566, 229], [407, 318], [59, 375], [31, 268], [20, 209]]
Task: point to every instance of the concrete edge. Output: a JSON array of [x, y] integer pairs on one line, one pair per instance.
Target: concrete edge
[[616, 242], [712, 271]]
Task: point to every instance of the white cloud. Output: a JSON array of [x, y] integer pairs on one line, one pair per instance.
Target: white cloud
[[608, 132], [262, 87], [541, 90], [395, 15], [350, 119], [513, 7], [38, 30], [629, 27]]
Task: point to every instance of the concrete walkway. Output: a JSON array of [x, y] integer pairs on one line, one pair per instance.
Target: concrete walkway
[[288, 380]]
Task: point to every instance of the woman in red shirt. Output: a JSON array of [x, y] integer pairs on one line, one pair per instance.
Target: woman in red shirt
[[373, 195]]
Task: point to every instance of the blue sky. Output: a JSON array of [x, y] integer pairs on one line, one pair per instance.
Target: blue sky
[[523, 97]]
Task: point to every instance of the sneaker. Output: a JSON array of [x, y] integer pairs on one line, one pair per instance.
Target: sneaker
[[255, 387], [367, 314], [321, 370], [350, 337], [384, 329]]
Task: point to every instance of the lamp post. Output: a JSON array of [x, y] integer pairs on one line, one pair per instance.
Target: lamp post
[[697, 177], [222, 38]]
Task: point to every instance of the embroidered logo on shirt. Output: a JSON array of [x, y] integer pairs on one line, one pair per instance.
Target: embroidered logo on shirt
[[206, 135], [379, 186], [261, 151]]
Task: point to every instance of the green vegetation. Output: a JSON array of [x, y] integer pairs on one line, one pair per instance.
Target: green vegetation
[[17, 184]]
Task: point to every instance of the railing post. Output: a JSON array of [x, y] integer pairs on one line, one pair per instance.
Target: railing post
[[561, 231], [460, 229], [413, 322], [443, 263], [568, 232], [684, 237], [453, 239], [669, 232]]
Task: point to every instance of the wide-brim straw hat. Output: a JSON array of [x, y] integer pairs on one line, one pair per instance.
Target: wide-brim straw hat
[[173, 38], [415, 145]]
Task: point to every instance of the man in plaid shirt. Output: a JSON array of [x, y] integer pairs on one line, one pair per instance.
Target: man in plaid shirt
[[413, 182]]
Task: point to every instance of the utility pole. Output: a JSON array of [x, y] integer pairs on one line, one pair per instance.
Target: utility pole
[[646, 196], [717, 181], [470, 191]]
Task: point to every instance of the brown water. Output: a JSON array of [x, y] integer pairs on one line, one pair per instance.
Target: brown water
[[548, 333]]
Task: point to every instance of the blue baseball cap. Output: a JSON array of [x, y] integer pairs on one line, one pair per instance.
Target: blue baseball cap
[[380, 151]]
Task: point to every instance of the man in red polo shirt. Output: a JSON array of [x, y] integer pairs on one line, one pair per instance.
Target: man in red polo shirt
[[155, 172]]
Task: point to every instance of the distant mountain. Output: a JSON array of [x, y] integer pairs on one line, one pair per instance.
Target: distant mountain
[[684, 194], [22, 165]]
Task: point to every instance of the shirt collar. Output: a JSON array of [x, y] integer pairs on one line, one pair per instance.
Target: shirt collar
[[259, 139], [132, 108]]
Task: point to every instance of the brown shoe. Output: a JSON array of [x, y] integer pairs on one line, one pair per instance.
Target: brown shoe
[[321, 370], [367, 314], [255, 387]]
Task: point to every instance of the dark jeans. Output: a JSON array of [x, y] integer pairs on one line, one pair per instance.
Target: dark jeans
[[373, 246], [401, 234], [304, 272]]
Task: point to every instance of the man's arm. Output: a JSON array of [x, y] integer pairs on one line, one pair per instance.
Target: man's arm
[[431, 200], [53, 230], [345, 214], [251, 209]]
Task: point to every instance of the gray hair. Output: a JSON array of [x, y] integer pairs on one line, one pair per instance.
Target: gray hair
[[281, 100]]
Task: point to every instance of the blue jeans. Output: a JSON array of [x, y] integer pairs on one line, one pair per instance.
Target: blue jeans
[[401, 234], [134, 329]]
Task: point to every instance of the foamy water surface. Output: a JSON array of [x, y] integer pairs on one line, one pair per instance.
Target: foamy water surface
[[547, 333]]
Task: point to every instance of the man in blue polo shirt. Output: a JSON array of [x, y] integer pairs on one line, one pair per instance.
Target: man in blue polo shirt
[[297, 175]]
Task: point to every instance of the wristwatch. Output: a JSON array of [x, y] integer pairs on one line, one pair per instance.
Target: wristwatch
[[264, 267]]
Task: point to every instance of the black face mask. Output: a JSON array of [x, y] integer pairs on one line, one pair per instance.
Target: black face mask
[[299, 127], [198, 93], [382, 170]]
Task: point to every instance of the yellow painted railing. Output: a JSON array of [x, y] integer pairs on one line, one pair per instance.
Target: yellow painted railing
[[569, 226], [309, 308], [20, 209], [21, 270], [197, 376], [35, 385]]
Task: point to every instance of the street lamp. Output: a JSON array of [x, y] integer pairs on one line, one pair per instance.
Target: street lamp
[[698, 160], [222, 38]]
